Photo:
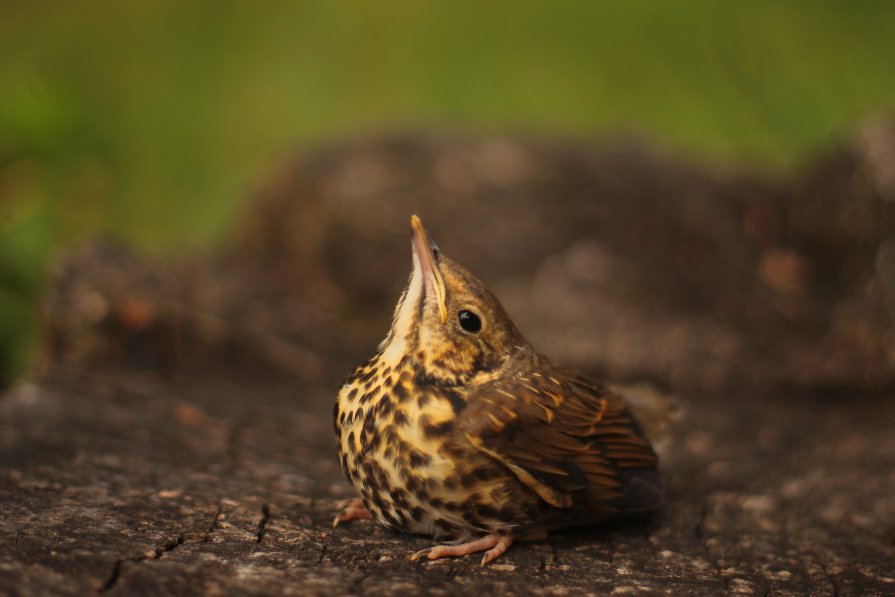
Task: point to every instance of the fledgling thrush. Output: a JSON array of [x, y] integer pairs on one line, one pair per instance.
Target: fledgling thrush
[[457, 428]]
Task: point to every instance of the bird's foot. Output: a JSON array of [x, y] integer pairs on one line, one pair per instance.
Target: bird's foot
[[352, 510], [494, 543]]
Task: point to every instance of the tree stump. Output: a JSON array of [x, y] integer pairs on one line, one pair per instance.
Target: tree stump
[[176, 437]]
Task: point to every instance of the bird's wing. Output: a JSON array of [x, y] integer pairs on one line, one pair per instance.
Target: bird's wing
[[562, 437]]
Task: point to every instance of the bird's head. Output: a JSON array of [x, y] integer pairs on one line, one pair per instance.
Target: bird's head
[[447, 323]]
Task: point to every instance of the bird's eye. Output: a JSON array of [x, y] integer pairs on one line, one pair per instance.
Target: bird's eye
[[469, 321]]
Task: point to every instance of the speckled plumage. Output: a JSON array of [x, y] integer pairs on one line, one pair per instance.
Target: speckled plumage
[[452, 433]]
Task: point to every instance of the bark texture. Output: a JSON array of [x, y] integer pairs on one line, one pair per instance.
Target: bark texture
[[176, 437]]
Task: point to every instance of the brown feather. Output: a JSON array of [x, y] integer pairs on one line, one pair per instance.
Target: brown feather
[[566, 437]]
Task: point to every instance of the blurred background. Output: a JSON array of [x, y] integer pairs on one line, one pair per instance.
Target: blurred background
[[152, 121]]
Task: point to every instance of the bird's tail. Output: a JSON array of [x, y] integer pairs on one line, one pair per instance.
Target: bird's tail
[[653, 409]]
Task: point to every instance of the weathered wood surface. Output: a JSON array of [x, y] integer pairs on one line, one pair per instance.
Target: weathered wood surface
[[126, 484], [177, 436]]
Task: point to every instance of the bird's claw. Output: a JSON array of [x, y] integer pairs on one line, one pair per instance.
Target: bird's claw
[[353, 510], [493, 545]]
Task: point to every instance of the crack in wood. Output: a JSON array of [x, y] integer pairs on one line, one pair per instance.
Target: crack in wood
[[322, 554], [113, 577], [262, 524], [118, 567], [170, 546], [700, 534], [215, 523]]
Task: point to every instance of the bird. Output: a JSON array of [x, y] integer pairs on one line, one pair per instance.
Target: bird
[[458, 429]]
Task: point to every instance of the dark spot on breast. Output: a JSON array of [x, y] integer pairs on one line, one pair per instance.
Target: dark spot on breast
[[375, 478], [457, 403], [451, 483], [423, 399], [486, 511], [399, 498], [400, 392], [433, 431], [472, 500], [418, 459], [351, 440], [384, 407], [402, 514], [420, 378], [417, 513], [453, 506], [393, 520], [385, 484], [437, 502], [477, 475], [370, 489], [373, 442], [413, 485], [453, 451], [351, 394], [483, 473], [400, 418], [417, 487], [443, 525], [369, 426]]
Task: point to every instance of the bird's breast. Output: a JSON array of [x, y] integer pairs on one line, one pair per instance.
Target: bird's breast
[[400, 447]]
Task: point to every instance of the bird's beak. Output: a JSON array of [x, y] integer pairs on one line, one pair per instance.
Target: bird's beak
[[424, 249]]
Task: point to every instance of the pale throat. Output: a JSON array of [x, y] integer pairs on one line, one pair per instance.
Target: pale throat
[[423, 343], [400, 338]]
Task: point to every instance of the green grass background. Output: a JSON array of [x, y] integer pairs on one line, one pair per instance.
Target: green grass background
[[151, 120]]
